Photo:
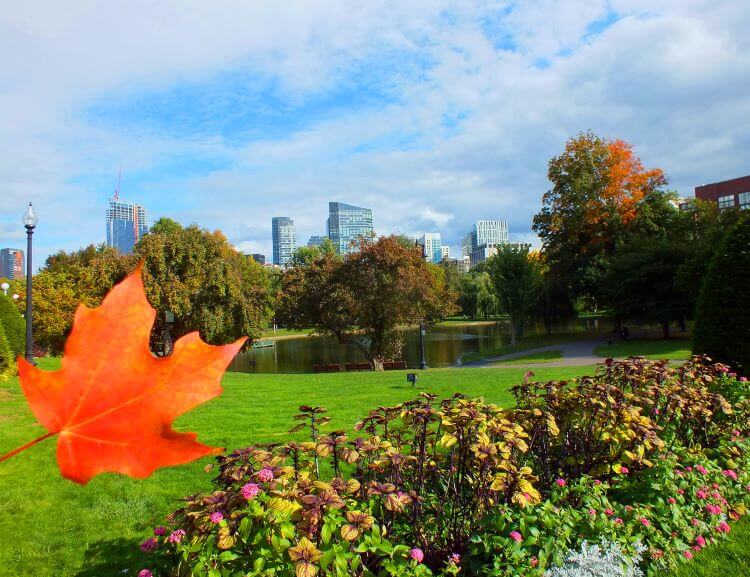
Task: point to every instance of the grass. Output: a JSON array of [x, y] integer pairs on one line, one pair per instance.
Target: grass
[[540, 357], [530, 342], [650, 348], [53, 527], [727, 558]]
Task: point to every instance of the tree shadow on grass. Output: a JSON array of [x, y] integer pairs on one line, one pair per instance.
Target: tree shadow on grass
[[111, 557]]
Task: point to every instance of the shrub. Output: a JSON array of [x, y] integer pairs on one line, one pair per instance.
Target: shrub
[[14, 326], [641, 458], [722, 318], [7, 360], [598, 560]]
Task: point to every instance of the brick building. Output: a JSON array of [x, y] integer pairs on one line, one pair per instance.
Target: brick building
[[733, 193]]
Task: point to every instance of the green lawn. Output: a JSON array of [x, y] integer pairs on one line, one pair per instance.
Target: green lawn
[[540, 357], [52, 527], [650, 348], [726, 559]]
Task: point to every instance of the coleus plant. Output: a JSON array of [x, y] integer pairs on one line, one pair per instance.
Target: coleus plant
[[112, 403]]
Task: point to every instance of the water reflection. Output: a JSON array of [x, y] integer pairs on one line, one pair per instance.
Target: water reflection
[[444, 345]]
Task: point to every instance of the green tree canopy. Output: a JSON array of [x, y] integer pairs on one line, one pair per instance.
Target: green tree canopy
[[722, 319], [365, 297], [13, 325], [516, 277]]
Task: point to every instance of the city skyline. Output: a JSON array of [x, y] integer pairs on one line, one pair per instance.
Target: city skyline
[[432, 115]]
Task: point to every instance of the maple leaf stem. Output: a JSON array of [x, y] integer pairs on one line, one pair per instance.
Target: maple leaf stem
[[7, 456]]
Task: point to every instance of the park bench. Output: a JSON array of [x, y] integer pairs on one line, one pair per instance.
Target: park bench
[[394, 366], [327, 368], [358, 367]]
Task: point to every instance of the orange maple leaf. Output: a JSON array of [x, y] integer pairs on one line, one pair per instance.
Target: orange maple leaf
[[112, 403]]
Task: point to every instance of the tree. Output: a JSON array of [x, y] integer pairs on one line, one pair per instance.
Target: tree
[[13, 326], [722, 318], [208, 286], [599, 187], [515, 276], [304, 255], [486, 300], [7, 359], [364, 298], [640, 285]]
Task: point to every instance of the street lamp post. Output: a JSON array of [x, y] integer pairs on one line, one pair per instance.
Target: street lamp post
[[29, 221], [422, 360]]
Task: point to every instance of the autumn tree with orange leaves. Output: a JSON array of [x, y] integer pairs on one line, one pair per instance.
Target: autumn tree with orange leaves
[[598, 188]]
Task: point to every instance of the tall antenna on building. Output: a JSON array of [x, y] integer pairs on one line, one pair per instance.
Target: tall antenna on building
[[119, 179]]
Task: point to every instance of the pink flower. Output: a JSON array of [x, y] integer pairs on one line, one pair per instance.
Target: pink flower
[[534, 561], [597, 482], [158, 531], [250, 490], [176, 536], [713, 509], [736, 433], [701, 469], [416, 554], [145, 573], [149, 545], [216, 517], [618, 521], [455, 559], [265, 475], [608, 512], [695, 522], [671, 500], [516, 536], [700, 541], [560, 482], [701, 494], [688, 469], [696, 548], [645, 522], [743, 379], [624, 470], [723, 527], [688, 554], [731, 474], [680, 491], [592, 512]]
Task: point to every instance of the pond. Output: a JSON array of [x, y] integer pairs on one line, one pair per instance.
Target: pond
[[444, 346]]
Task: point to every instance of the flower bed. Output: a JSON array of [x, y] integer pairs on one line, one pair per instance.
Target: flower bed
[[638, 467]]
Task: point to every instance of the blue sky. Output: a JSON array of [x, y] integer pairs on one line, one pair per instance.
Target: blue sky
[[434, 113]]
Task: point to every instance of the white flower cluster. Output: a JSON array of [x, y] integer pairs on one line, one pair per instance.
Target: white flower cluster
[[599, 560]]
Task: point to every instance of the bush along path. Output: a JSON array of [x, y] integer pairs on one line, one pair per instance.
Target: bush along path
[[635, 469]]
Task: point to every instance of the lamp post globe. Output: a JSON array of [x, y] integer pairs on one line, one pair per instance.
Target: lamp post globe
[[29, 221], [5, 286]]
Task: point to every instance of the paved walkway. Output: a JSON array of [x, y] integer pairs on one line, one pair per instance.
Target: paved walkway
[[574, 354]]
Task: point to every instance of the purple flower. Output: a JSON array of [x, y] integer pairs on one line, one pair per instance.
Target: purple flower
[[216, 517], [250, 490], [416, 554], [159, 531], [265, 475], [516, 536], [455, 559], [176, 536], [149, 545], [145, 573]]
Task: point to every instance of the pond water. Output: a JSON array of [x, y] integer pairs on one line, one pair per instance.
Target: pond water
[[444, 345]]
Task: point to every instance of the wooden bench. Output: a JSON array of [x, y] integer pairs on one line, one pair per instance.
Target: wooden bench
[[394, 366], [358, 367], [327, 368]]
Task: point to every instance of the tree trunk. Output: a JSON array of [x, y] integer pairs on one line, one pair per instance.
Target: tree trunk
[[665, 329], [512, 332], [377, 364]]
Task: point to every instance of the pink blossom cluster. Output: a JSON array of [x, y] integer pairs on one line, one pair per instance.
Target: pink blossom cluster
[[250, 491], [176, 536], [417, 554], [265, 475]]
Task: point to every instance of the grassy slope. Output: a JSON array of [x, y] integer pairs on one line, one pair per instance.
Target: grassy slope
[[52, 527], [650, 348]]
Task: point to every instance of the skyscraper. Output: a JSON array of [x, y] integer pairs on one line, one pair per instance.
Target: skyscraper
[[481, 242], [11, 263], [316, 240], [284, 239], [126, 224], [346, 223], [431, 246]]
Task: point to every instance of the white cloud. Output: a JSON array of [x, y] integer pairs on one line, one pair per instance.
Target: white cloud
[[481, 95]]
